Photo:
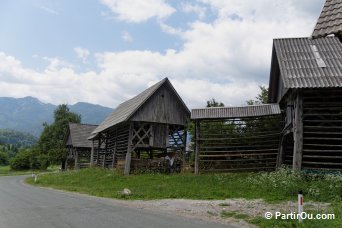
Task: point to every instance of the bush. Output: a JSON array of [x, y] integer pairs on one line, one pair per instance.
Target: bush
[[22, 160], [30, 159], [43, 161], [318, 187], [4, 160]]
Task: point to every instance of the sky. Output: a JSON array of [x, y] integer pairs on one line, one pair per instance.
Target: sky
[[107, 51]]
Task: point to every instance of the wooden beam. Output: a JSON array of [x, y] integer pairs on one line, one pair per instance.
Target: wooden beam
[[129, 151], [281, 154], [197, 145], [92, 153], [105, 151], [76, 160], [298, 133], [98, 150], [115, 148]]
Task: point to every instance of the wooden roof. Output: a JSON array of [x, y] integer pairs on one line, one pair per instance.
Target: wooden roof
[[77, 135], [330, 20], [305, 63], [127, 109], [235, 112]]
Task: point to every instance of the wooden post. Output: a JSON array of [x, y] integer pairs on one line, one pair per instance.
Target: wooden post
[[167, 140], [105, 151], [197, 145], [129, 151], [151, 135], [98, 150], [298, 133], [76, 160], [92, 153], [114, 152], [281, 152]]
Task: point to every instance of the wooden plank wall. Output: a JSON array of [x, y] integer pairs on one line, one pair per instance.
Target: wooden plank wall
[[162, 107], [114, 147], [322, 121], [237, 144]]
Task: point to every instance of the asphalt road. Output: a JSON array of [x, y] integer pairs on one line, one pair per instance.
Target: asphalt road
[[24, 206]]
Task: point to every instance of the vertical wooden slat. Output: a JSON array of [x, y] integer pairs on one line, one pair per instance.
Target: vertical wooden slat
[[129, 151], [76, 160], [115, 145], [105, 151], [151, 135], [281, 153], [282, 148], [197, 145], [98, 150], [298, 133], [92, 153]]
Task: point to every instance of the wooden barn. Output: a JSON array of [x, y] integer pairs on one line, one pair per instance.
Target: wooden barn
[[143, 129], [236, 138], [306, 81], [78, 146]]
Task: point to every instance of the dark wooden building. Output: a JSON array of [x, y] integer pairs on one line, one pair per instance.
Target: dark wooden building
[[142, 128], [306, 80], [78, 146], [236, 138]]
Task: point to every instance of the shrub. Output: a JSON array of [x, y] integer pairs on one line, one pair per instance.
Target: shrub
[[4, 158], [30, 159], [43, 161], [22, 160], [318, 187]]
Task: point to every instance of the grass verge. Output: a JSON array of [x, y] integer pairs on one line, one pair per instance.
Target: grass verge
[[277, 186], [7, 171]]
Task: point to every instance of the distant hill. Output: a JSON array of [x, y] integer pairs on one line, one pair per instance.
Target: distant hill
[[28, 114], [16, 138]]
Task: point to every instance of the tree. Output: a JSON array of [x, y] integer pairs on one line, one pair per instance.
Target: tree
[[3, 158], [261, 98], [210, 128], [214, 103], [260, 125], [50, 142]]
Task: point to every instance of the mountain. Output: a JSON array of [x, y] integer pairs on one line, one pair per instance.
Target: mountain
[[28, 114]]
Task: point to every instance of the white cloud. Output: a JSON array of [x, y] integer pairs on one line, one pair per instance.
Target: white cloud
[[126, 36], [139, 11], [170, 30], [49, 10], [82, 53], [200, 11], [226, 59]]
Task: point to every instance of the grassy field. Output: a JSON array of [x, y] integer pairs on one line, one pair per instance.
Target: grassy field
[[7, 171], [272, 187]]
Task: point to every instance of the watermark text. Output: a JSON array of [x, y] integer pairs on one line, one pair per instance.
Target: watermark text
[[298, 216]]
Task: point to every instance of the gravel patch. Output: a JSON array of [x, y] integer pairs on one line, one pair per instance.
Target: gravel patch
[[211, 210]]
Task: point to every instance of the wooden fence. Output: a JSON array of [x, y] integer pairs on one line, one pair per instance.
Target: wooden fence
[[237, 144]]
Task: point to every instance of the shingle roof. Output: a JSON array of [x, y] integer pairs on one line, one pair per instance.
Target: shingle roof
[[125, 110], [299, 65], [235, 112], [79, 134], [330, 20]]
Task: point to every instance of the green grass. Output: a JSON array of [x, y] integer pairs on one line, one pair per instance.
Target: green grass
[[277, 186], [272, 187], [7, 171], [234, 214]]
